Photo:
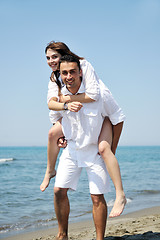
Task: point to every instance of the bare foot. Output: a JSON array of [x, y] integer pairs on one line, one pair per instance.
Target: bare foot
[[46, 180], [61, 237], [118, 207]]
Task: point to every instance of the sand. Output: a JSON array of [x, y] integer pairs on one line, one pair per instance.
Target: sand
[[144, 224]]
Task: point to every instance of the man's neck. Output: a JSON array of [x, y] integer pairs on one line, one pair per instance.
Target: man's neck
[[74, 90]]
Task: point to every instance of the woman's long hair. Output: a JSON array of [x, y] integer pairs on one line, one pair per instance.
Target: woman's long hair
[[62, 49]]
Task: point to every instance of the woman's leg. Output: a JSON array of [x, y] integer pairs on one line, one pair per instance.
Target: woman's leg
[[52, 152], [105, 143]]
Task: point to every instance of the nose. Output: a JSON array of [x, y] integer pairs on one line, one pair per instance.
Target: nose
[[69, 76]]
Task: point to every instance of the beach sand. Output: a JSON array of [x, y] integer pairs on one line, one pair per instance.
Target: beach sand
[[143, 224]]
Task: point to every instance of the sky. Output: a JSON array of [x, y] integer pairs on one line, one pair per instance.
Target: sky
[[120, 38]]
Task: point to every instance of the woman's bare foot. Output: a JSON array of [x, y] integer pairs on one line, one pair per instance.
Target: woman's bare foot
[[47, 179], [118, 207]]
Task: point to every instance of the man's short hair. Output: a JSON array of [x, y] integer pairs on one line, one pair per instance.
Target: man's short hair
[[69, 58]]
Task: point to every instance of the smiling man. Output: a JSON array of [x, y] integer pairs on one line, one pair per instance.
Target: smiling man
[[71, 75], [81, 130]]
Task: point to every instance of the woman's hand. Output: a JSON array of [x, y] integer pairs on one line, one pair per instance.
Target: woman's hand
[[74, 106]]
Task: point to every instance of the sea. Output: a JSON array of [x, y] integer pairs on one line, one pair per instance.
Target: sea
[[24, 208]]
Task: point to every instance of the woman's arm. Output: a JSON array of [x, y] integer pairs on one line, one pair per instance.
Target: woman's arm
[[53, 104], [90, 81], [53, 91], [58, 106], [81, 97]]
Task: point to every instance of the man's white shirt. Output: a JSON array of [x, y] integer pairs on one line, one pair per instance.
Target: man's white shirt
[[82, 129]]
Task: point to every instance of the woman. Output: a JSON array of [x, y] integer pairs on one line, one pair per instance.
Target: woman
[[109, 135]]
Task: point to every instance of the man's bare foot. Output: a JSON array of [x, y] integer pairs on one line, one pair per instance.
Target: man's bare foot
[[47, 179], [118, 207], [61, 237]]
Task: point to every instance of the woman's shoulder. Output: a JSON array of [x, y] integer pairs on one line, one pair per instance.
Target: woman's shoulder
[[85, 64], [52, 85]]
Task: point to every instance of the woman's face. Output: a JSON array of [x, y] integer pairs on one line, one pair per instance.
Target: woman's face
[[53, 58]]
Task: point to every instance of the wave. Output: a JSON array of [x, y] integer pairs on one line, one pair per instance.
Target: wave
[[23, 225], [2, 160], [145, 192]]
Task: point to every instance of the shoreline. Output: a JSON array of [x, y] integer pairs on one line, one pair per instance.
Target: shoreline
[[142, 224]]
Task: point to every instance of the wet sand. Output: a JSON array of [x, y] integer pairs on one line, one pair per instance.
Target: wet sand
[[140, 225]]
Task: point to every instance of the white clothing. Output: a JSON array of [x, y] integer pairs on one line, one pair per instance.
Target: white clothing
[[90, 81], [112, 110], [81, 130], [83, 127], [93, 87], [69, 171]]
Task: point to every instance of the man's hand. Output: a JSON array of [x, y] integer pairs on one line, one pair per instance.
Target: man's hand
[[74, 106], [62, 142]]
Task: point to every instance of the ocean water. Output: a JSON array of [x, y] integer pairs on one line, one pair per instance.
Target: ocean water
[[23, 207]]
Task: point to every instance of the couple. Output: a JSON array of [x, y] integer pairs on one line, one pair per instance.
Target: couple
[[81, 128]]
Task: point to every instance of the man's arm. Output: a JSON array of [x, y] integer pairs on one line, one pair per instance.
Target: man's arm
[[117, 129]]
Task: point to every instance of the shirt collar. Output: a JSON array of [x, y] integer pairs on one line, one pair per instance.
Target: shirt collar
[[65, 91]]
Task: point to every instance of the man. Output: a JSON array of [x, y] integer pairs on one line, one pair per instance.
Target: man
[[81, 130]]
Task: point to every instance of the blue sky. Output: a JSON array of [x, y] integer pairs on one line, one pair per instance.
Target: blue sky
[[121, 40]]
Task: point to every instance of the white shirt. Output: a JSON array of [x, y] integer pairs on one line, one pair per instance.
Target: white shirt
[[82, 129], [113, 111], [92, 87], [85, 125]]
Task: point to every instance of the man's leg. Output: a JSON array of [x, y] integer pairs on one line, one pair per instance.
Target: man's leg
[[62, 209], [99, 215]]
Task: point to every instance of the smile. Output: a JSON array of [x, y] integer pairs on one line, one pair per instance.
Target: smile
[[69, 81]]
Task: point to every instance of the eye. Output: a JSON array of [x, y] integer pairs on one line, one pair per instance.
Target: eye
[[72, 71], [64, 73], [47, 58], [54, 56]]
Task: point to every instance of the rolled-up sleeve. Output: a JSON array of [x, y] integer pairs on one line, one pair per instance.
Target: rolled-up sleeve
[[111, 108], [53, 91], [90, 80]]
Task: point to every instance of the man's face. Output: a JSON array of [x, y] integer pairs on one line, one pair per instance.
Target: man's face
[[70, 75]]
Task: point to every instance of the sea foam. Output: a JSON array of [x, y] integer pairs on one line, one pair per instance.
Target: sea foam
[[2, 160]]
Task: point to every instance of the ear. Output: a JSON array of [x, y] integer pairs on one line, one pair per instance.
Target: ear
[[80, 72]]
